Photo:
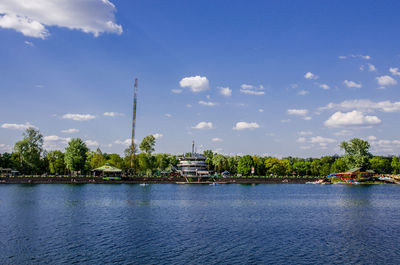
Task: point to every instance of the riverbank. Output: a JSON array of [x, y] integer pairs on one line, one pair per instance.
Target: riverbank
[[149, 180]]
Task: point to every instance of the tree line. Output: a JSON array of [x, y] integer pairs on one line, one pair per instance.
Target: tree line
[[30, 158]]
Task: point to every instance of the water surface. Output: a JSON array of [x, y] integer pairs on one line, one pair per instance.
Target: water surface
[[199, 224]]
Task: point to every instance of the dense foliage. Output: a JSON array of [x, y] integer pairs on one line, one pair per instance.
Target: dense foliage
[[30, 158]]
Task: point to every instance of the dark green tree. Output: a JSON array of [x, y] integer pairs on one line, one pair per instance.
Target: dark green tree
[[395, 165], [56, 162], [380, 164], [147, 144], [245, 164]]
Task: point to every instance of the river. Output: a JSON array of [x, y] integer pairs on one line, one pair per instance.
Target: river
[[199, 224]]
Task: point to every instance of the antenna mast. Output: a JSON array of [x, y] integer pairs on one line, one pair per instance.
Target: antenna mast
[[133, 125]]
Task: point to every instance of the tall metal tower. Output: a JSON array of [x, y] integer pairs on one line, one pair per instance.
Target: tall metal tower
[[133, 126]]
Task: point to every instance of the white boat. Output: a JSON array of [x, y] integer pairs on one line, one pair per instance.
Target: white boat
[[144, 184]]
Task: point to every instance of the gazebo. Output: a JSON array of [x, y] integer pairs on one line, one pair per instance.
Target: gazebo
[[107, 171]]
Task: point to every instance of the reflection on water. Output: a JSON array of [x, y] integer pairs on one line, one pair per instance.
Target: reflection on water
[[199, 224]]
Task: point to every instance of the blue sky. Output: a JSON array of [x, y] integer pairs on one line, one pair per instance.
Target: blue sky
[[262, 77]]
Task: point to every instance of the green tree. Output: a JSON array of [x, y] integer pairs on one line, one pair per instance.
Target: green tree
[[116, 161], [97, 159], [326, 164], [259, 167], [147, 144], [395, 165], [56, 162], [275, 166], [220, 163], [232, 164], [356, 153], [380, 164], [29, 150], [209, 155], [75, 155], [339, 166], [316, 167], [162, 161], [245, 164]]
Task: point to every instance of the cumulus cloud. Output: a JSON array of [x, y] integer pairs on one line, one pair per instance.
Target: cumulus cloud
[[52, 142], [303, 92], [242, 125], [126, 142], [310, 75], [225, 91], [32, 17], [91, 143], [216, 139], [176, 91], [301, 140], [352, 84], [72, 130], [353, 118], [203, 125], [386, 80], [5, 148], [158, 135], [16, 126], [207, 103], [297, 112], [321, 141], [324, 86], [359, 56], [195, 83], [112, 114], [364, 105], [78, 117], [394, 71], [343, 133]]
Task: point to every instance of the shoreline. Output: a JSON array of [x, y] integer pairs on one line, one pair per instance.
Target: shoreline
[[150, 180]]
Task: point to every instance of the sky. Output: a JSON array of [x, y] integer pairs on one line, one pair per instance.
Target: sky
[[272, 78]]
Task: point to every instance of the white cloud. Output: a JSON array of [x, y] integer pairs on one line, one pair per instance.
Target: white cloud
[[91, 143], [394, 71], [126, 142], [303, 92], [216, 139], [52, 142], [297, 112], [322, 141], [352, 84], [360, 56], [78, 117], [167, 115], [207, 103], [307, 118], [371, 67], [196, 83], [15, 126], [225, 91], [252, 92], [72, 130], [112, 114], [371, 138], [176, 91], [324, 86], [302, 133], [32, 17], [310, 75], [260, 110], [5, 148], [343, 133], [286, 121], [29, 43], [246, 125], [386, 80], [364, 105], [353, 118], [188, 105], [342, 57], [203, 125], [301, 140], [158, 135]]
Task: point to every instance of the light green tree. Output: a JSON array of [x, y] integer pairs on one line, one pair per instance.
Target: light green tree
[[275, 166], [380, 164], [97, 159], [220, 163], [75, 155], [356, 153], [29, 150]]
